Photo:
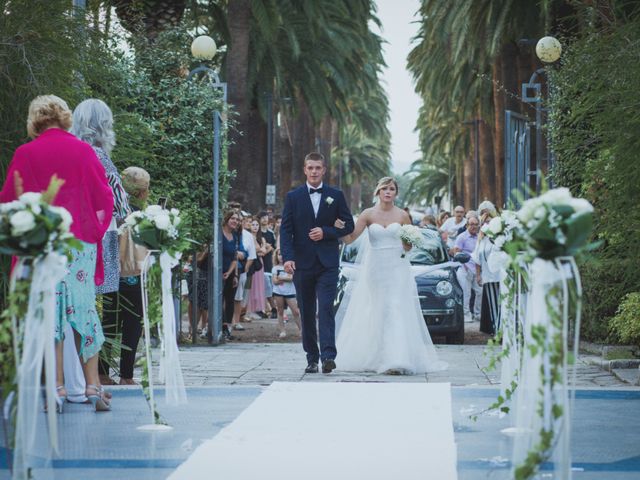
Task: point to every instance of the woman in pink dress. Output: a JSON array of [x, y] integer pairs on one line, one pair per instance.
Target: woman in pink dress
[[257, 300], [87, 196]]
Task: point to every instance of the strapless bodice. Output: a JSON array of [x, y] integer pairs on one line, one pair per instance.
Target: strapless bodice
[[384, 237]]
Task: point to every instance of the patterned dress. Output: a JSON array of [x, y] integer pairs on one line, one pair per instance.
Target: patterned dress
[[76, 302], [110, 255]]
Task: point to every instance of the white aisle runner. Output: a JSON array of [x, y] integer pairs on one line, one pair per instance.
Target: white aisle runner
[[337, 431]]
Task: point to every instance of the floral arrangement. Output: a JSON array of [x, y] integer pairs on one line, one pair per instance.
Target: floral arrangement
[[556, 224], [157, 229], [411, 235], [503, 230], [31, 226]]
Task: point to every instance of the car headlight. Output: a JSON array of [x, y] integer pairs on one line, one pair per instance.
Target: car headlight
[[450, 303], [444, 288]]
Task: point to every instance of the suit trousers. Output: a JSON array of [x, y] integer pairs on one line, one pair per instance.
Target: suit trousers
[[316, 287], [468, 281]]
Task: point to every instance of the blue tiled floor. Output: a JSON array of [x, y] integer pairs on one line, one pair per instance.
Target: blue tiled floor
[[107, 446]]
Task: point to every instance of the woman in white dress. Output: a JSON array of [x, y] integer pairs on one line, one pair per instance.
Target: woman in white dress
[[380, 322]]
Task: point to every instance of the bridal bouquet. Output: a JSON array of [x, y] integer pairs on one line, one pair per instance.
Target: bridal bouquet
[[411, 235], [157, 229], [556, 224], [31, 226]]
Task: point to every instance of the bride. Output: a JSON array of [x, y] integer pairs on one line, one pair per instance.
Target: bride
[[380, 326]]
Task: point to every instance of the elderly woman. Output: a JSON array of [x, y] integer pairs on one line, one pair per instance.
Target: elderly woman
[[93, 123], [88, 197], [125, 312], [488, 279]]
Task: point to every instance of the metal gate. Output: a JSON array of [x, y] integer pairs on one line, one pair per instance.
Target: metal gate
[[517, 158]]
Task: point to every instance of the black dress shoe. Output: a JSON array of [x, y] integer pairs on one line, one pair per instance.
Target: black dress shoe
[[311, 368], [328, 366]]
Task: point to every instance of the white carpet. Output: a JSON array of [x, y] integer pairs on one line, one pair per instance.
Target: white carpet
[[334, 431]]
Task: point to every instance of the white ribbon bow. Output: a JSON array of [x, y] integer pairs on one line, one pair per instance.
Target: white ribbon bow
[[38, 345]]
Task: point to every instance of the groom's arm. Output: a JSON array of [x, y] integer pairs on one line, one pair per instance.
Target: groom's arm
[[286, 230], [344, 214]]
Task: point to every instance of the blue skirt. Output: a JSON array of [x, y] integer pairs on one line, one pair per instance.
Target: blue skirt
[[76, 302]]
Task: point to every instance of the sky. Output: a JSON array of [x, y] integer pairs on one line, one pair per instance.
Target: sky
[[397, 30]]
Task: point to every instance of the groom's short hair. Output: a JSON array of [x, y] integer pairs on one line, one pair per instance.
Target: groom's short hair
[[316, 156]]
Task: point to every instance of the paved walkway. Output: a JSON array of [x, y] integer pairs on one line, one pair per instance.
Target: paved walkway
[[262, 364]]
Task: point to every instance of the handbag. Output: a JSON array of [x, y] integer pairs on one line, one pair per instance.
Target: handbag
[[132, 255], [256, 266]]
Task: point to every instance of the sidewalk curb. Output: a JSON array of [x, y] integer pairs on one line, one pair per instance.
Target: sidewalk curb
[[617, 368]]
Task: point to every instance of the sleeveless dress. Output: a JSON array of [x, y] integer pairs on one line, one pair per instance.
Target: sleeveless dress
[[381, 327]]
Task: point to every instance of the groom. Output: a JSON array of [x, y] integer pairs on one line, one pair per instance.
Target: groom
[[309, 246]]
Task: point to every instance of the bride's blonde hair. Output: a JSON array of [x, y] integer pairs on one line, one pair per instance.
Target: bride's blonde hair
[[383, 182]]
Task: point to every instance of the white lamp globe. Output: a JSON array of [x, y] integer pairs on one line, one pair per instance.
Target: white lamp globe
[[203, 48], [548, 49]]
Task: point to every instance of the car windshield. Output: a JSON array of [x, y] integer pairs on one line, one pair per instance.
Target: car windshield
[[431, 253]]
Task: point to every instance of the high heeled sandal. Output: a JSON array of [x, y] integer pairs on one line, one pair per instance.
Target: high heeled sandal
[[98, 399], [60, 399]]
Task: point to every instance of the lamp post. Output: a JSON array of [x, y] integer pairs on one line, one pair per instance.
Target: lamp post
[[204, 48], [548, 50]]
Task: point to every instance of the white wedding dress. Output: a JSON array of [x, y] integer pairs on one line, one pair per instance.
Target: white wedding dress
[[380, 326]]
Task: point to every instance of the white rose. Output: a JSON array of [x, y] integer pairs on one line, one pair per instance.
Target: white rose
[[174, 211], [495, 225], [580, 205], [131, 220], [500, 241], [30, 198], [176, 220], [22, 222], [153, 210], [15, 205], [527, 210], [67, 219], [557, 196], [162, 221]]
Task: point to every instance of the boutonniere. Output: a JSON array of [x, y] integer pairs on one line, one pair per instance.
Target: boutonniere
[[329, 200]]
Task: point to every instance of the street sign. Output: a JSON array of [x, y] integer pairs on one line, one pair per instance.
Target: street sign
[[271, 195]]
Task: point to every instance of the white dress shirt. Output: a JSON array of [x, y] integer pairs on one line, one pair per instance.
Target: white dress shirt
[[315, 198]]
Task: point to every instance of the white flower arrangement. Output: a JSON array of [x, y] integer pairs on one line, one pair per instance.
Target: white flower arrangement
[[556, 224], [157, 228], [329, 200], [410, 234], [30, 226], [502, 229]]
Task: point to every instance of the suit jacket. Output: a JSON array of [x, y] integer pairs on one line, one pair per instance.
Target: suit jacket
[[298, 219]]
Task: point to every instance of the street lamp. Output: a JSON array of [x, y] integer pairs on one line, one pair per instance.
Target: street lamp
[[548, 50], [204, 48]]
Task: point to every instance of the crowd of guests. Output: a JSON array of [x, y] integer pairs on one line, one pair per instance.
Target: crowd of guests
[[255, 283], [76, 147], [461, 232]]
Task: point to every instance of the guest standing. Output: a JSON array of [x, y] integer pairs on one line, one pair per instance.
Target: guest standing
[[93, 123], [489, 280], [125, 313], [88, 198], [466, 242], [267, 240], [256, 299], [230, 243]]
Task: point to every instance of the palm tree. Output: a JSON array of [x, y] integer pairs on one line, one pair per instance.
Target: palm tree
[[360, 158], [428, 180]]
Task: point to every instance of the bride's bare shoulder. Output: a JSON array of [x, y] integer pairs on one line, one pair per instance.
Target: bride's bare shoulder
[[404, 217]]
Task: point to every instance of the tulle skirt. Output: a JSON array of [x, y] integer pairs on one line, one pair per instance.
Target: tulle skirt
[[381, 326]]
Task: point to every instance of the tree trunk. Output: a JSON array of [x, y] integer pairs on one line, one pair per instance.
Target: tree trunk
[[487, 171], [240, 160], [468, 175], [303, 134], [355, 197], [282, 149]]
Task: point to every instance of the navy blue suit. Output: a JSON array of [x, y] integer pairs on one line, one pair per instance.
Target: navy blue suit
[[316, 275]]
